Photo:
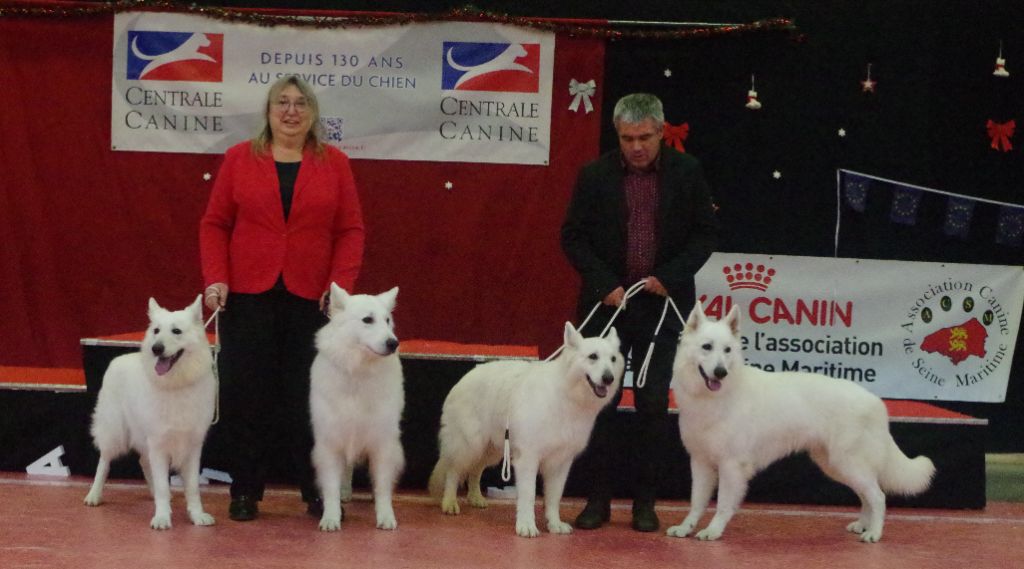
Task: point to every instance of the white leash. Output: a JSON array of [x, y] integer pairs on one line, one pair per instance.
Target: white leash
[[215, 318], [641, 379]]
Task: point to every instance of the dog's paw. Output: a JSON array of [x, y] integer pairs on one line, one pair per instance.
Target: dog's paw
[[871, 536], [160, 521], [855, 527], [330, 523], [477, 501], [387, 522], [524, 529], [681, 530], [201, 518], [559, 527], [92, 500], [450, 506], [708, 534]]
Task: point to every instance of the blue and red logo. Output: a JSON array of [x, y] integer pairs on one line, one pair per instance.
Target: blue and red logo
[[176, 56], [505, 67]]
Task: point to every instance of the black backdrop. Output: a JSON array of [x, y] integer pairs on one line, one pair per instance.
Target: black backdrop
[[924, 125]]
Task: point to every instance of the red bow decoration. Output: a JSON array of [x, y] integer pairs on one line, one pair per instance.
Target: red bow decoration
[[675, 135], [1000, 134]]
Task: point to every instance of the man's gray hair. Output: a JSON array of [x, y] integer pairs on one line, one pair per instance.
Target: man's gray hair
[[638, 107]]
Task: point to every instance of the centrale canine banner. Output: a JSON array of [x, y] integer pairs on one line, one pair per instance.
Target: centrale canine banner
[[903, 330], [446, 91]]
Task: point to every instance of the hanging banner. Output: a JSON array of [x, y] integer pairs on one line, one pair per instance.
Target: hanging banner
[[903, 330], [442, 91]]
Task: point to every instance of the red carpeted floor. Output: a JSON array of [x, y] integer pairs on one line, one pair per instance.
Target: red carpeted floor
[[43, 523]]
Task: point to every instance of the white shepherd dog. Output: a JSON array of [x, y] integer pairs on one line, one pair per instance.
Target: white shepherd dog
[[159, 402], [356, 399], [735, 420], [549, 408]]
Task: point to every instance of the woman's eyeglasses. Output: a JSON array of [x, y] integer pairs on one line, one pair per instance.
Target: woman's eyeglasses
[[282, 105]]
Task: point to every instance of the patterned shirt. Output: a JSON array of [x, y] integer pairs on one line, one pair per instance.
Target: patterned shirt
[[641, 189]]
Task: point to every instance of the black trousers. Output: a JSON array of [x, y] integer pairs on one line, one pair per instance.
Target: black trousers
[[634, 444], [266, 352]]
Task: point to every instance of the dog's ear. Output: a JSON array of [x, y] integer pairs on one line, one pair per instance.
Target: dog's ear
[[695, 318], [572, 337], [154, 308], [196, 309], [733, 320], [338, 298], [388, 298], [613, 337]]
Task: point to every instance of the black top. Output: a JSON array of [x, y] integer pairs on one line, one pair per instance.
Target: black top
[[287, 172]]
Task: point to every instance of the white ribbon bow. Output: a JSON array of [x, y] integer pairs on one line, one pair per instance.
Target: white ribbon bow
[[582, 91]]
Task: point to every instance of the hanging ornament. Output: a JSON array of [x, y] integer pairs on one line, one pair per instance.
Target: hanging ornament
[[867, 85], [1001, 64], [752, 102]]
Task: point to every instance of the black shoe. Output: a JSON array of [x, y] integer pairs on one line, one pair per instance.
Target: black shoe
[[243, 509], [644, 517], [594, 514], [315, 508]]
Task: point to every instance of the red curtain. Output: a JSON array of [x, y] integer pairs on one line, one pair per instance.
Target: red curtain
[[89, 234]]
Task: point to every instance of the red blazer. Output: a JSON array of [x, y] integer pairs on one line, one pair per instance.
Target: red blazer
[[245, 242]]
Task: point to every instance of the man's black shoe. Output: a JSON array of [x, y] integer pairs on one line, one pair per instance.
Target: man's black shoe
[[594, 514], [644, 517], [243, 509]]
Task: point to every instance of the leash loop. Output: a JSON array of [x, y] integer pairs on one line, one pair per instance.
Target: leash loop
[[215, 318]]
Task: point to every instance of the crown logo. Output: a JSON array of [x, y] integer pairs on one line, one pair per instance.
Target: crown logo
[[757, 277]]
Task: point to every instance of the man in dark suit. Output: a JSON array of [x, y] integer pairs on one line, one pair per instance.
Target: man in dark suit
[[642, 211]]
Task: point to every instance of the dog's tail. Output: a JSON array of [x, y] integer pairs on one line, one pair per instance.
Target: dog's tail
[[904, 475], [436, 484]]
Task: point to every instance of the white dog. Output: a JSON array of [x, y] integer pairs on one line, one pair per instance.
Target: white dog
[[356, 399], [159, 402], [549, 409], [735, 420]]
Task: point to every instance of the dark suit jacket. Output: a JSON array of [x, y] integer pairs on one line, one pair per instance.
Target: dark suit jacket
[[594, 231]]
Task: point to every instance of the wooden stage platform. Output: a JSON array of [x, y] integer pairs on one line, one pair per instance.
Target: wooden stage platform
[[47, 409]]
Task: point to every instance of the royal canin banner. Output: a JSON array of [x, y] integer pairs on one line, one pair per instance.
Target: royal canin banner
[[446, 92], [903, 330]]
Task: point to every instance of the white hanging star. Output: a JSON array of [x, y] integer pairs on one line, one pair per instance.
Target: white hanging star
[[448, 185], [668, 72], [776, 174], [868, 86], [207, 176], [842, 133]]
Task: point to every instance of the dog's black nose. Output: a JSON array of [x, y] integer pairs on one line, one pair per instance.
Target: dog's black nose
[[607, 378], [721, 372], [158, 349], [392, 345]]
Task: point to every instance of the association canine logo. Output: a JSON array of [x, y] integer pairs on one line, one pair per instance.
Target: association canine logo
[[501, 67], [948, 331], [175, 56]]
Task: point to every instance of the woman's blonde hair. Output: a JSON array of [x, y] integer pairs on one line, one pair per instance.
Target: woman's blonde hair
[[261, 143]]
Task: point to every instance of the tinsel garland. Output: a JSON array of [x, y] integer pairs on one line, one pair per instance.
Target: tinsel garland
[[277, 17]]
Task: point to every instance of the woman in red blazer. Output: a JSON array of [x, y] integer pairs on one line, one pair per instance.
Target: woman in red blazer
[[282, 223]]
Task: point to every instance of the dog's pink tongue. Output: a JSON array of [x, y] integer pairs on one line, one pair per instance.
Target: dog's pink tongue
[[714, 384], [163, 365]]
